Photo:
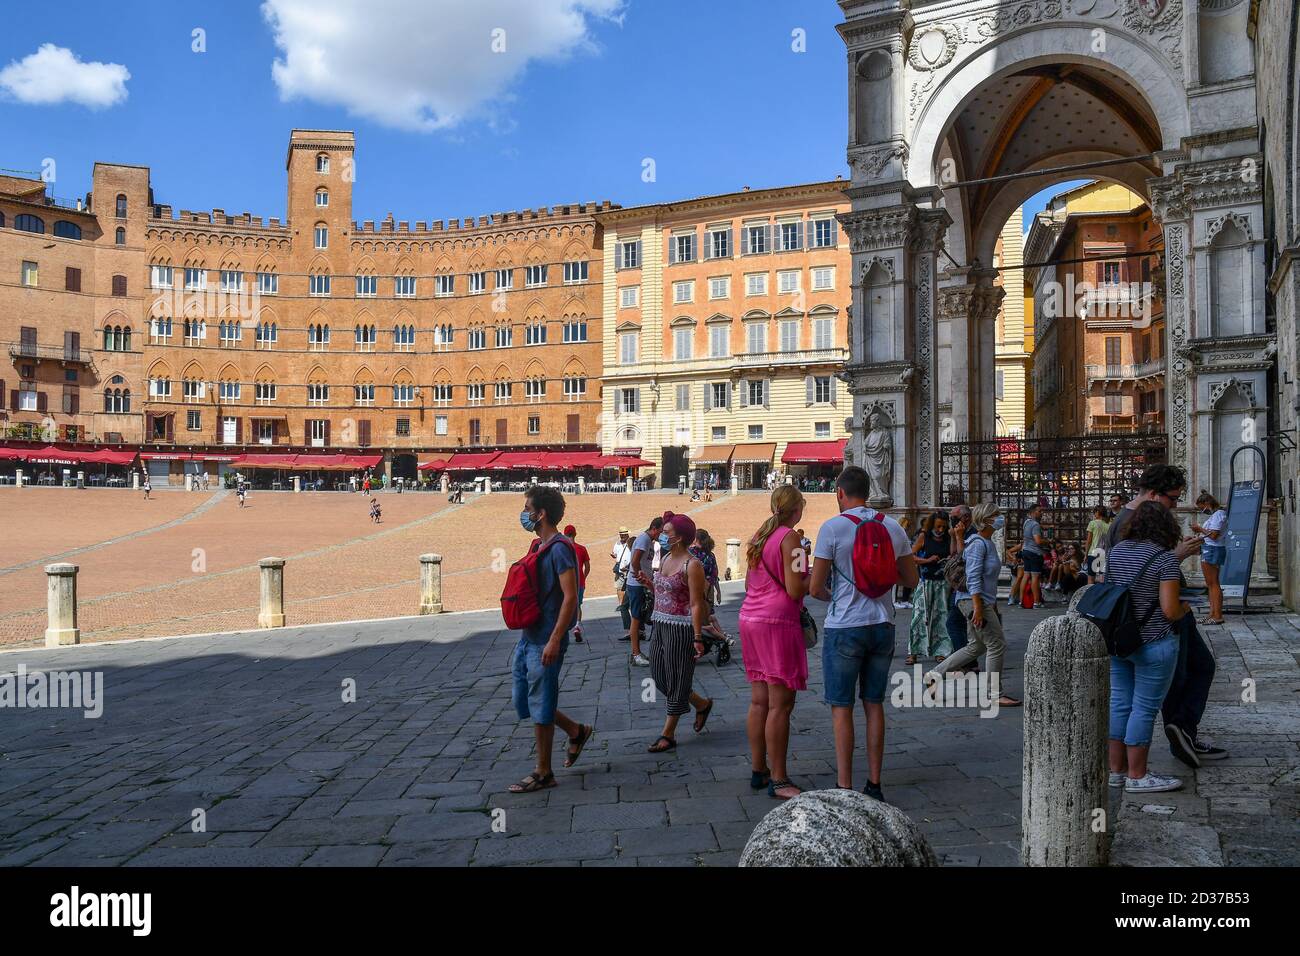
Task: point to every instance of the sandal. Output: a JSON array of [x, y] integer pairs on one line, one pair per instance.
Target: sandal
[[910, 660], [1006, 701], [1212, 622], [939, 659], [758, 779], [532, 783], [585, 733], [668, 744], [777, 785], [702, 716]]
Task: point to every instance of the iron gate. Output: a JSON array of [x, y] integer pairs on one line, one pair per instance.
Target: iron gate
[[1067, 476]]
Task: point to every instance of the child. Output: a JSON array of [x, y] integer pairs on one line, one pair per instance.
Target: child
[[1214, 551], [375, 513]]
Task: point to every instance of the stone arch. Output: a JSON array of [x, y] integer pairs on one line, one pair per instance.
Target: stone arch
[[1131, 59], [1229, 274]]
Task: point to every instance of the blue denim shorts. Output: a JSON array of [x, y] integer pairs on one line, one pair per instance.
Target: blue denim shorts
[[857, 658], [1213, 554], [536, 690], [641, 604]]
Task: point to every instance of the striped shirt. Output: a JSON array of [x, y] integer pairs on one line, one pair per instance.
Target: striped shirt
[[1124, 562]]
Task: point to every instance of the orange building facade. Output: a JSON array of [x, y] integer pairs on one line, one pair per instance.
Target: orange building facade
[[202, 335]]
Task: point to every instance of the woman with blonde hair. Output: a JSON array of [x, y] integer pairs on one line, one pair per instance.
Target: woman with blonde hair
[[772, 641]]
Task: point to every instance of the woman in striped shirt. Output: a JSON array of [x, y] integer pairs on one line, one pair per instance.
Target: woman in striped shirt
[[1145, 561]]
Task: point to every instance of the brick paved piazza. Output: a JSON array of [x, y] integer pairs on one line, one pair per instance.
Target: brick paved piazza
[[140, 574]]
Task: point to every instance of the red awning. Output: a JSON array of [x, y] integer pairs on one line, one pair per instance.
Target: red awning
[[471, 461], [266, 461], [362, 461], [54, 455], [814, 452], [437, 464], [518, 459]]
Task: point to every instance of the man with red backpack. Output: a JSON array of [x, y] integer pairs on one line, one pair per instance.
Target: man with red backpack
[[859, 558], [541, 600]]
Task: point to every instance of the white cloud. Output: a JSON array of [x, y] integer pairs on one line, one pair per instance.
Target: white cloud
[[425, 65], [53, 74]]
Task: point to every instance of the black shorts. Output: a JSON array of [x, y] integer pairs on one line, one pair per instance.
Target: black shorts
[[1033, 562]]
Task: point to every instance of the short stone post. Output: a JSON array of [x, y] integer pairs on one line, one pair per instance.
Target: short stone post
[[61, 583], [836, 828], [487, 486], [582, 485], [189, 482], [272, 613], [1064, 799], [733, 559], [297, 484], [18, 477], [135, 481], [628, 486], [735, 484], [81, 479], [444, 484], [430, 584]]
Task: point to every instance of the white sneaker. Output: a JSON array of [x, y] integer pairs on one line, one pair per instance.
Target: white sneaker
[[1117, 778], [1152, 783]]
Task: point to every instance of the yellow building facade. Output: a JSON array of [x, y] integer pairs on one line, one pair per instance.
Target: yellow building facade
[[725, 325]]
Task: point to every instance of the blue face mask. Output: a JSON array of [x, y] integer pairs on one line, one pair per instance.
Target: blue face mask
[[526, 519], [999, 522], [663, 540]]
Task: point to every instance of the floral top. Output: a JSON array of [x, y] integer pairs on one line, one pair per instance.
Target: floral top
[[709, 562], [673, 596]]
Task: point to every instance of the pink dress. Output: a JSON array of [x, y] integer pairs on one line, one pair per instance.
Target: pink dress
[[771, 638]]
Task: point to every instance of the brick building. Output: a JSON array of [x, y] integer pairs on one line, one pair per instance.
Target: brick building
[[200, 335]]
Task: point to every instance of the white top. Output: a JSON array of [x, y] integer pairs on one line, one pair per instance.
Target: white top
[[1216, 522], [623, 554], [849, 606]]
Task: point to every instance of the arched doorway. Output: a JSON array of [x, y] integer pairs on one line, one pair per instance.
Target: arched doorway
[[957, 115], [405, 466]]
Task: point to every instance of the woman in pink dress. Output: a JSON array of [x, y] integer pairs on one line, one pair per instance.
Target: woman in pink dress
[[771, 638]]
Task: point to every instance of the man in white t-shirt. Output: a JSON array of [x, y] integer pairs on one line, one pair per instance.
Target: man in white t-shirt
[[858, 645]]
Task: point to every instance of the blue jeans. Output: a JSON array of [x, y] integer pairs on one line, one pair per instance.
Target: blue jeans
[[955, 623], [857, 658], [536, 688], [1138, 684]]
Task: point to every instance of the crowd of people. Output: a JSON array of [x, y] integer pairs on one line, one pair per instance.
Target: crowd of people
[[947, 574]]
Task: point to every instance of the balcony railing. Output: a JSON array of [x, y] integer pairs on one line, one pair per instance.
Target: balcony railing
[[1124, 373], [53, 353]]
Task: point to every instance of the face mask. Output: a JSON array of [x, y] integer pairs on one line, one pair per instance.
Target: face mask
[[663, 540], [999, 522], [526, 520]]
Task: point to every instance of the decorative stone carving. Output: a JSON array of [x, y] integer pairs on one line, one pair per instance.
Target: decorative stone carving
[[870, 161], [885, 262], [933, 47], [1245, 389], [878, 229], [1237, 219], [878, 457]]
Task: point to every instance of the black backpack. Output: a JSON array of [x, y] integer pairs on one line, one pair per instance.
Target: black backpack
[[1110, 607]]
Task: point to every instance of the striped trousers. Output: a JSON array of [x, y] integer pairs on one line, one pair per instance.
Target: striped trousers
[[672, 664]]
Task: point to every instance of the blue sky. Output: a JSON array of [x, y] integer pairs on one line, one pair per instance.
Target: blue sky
[[711, 91]]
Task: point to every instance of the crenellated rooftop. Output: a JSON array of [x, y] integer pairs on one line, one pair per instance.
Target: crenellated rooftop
[[496, 220]]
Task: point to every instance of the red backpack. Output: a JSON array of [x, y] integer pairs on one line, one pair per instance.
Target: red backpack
[[521, 605], [875, 570]]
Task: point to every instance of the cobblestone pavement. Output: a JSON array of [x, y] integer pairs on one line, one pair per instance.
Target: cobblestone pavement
[[1243, 811], [252, 730], [186, 563]]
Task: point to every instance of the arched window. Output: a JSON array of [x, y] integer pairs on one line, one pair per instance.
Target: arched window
[[119, 237], [125, 339], [29, 223], [67, 230], [2, 218], [121, 205], [322, 198], [321, 236], [126, 400], [322, 163]]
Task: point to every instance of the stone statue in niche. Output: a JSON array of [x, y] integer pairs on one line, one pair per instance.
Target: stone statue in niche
[[878, 458]]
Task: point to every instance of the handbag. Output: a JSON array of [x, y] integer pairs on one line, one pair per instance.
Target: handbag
[[806, 622]]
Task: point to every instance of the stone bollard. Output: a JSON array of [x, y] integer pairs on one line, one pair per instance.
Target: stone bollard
[[61, 628], [430, 584], [628, 486], [297, 484], [582, 485], [487, 486], [18, 477], [135, 481], [445, 484], [1064, 799], [272, 613], [735, 484], [81, 479], [836, 828], [733, 559], [189, 482]]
